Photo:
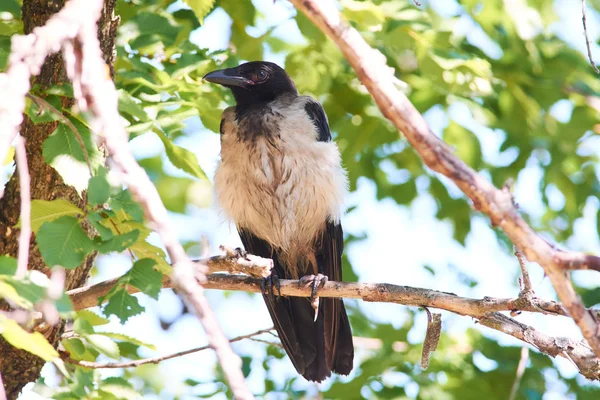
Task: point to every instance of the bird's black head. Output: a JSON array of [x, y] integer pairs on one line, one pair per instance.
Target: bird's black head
[[254, 82]]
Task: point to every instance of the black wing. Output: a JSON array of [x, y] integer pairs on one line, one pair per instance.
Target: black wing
[[317, 115], [281, 309], [339, 348], [315, 347]]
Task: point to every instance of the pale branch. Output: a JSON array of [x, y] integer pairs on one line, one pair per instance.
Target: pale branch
[[154, 360], [73, 30], [485, 310], [378, 78], [44, 105], [25, 193], [520, 371], [238, 261], [233, 261], [587, 38]]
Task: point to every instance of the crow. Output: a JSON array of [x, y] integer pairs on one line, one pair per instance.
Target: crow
[[281, 181]]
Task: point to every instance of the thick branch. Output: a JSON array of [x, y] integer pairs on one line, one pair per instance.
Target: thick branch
[[485, 310], [378, 78]]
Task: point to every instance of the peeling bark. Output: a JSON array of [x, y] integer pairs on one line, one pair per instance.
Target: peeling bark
[[18, 367]]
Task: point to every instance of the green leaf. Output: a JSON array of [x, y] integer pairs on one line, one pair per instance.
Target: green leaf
[[129, 105], [8, 292], [117, 388], [104, 345], [363, 12], [180, 157], [11, 6], [63, 242], [83, 327], [34, 343], [63, 151], [74, 346], [44, 211], [8, 265], [128, 339], [123, 201], [98, 188], [28, 292], [123, 305], [144, 277], [200, 7], [118, 243], [92, 318]]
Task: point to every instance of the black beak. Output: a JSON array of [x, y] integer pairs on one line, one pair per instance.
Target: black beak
[[227, 77]]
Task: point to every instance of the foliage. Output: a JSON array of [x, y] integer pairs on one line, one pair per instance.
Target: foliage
[[505, 81]]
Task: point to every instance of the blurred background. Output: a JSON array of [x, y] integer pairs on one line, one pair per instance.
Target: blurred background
[[506, 83]]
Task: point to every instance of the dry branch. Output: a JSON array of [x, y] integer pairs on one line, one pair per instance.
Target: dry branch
[[155, 360], [587, 38], [485, 310], [378, 78]]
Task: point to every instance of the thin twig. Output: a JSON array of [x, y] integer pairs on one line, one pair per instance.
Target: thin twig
[[587, 38], [25, 191], [156, 360], [43, 104], [484, 310], [526, 281], [95, 92], [520, 371], [378, 78]]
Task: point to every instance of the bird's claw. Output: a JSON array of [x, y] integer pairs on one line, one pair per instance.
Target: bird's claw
[[241, 253], [270, 282], [315, 282]]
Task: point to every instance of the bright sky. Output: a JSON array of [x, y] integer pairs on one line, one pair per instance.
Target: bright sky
[[420, 239]]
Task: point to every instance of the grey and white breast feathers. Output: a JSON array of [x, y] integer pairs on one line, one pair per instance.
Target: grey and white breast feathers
[[280, 183]]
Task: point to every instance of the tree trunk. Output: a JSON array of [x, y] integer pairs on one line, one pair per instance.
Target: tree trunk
[[19, 367]]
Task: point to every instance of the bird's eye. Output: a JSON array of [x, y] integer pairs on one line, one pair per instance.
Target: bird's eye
[[261, 75]]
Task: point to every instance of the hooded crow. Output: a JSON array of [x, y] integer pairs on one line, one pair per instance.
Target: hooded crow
[[281, 181]]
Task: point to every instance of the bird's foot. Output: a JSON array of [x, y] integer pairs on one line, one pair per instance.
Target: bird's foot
[[241, 253], [270, 283], [315, 282]]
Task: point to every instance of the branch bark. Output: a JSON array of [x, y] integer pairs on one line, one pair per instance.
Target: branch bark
[[486, 310], [378, 78]]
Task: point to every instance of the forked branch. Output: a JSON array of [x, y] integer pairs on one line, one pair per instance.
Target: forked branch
[[370, 67]]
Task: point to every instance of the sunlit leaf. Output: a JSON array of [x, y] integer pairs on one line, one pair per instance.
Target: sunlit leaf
[[63, 242]]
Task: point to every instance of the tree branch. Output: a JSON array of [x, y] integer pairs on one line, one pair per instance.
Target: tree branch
[[25, 193], [378, 78], [95, 92], [485, 310], [587, 38], [520, 371], [153, 360]]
